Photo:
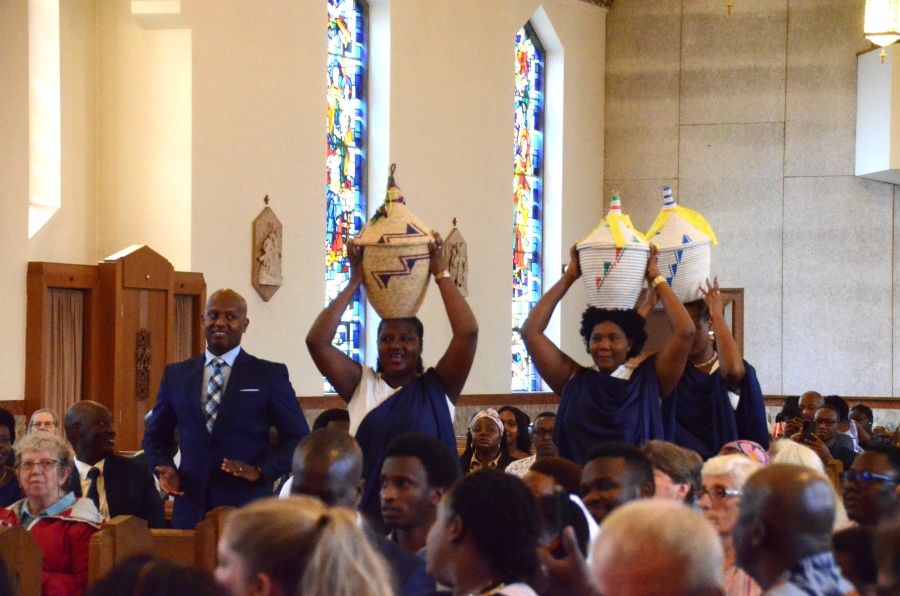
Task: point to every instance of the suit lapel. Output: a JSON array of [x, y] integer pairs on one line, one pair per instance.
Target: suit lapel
[[196, 390], [75, 481], [237, 380], [112, 488]]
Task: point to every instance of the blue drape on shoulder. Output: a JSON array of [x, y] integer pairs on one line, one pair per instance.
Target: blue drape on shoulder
[[419, 406], [596, 408], [699, 415]]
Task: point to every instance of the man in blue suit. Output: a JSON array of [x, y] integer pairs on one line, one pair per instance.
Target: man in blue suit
[[223, 403]]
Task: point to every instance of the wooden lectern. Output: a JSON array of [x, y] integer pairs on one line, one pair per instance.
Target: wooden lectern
[[129, 331]]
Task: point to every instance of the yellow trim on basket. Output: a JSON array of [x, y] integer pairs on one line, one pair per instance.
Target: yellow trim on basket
[[689, 215], [615, 220]]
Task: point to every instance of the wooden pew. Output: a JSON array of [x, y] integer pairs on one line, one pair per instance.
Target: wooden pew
[[125, 536], [23, 558]]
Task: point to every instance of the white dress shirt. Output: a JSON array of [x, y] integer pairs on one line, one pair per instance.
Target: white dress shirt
[[83, 470]]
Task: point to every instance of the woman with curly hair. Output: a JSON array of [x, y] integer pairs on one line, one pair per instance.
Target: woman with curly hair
[[611, 400]]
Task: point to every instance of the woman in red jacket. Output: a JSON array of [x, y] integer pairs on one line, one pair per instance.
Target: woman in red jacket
[[61, 524]]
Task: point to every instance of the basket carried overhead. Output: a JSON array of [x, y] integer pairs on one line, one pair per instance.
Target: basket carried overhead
[[613, 260], [684, 238], [396, 263]]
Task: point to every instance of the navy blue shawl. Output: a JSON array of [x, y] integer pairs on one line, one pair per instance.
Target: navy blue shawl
[[700, 415], [419, 406], [596, 408]]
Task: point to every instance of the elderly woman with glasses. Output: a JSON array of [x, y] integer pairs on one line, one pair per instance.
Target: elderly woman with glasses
[[722, 480], [60, 523]]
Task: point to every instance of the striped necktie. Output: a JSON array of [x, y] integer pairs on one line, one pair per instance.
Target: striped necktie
[[214, 392]]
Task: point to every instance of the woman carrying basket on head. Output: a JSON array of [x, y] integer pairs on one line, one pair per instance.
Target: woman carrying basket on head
[[610, 401], [718, 398], [399, 396]]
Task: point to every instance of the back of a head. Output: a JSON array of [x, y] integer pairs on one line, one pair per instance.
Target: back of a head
[[638, 464], [565, 473], [501, 516], [440, 462], [797, 505], [329, 445], [307, 548], [664, 532], [793, 453], [329, 416], [146, 576], [672, 460], [839, 405]]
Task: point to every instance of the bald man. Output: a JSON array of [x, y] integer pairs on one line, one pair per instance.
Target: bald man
[[223, 403], [328, 465], [117, 485], [783, 533]]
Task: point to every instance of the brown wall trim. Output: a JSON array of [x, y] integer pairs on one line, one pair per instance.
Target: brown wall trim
[[15, 407]]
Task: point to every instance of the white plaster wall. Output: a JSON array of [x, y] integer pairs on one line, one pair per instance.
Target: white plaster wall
[[71, 234], [144, 136], [13, 191], [258, 128]]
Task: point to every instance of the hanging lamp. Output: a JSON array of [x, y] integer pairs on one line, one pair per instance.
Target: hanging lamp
[[882, 24]]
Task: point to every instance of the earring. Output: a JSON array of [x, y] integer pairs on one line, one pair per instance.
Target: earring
[[712, 338]]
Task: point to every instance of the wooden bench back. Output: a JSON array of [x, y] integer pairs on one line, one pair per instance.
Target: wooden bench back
[[23, 558], [125, 536]]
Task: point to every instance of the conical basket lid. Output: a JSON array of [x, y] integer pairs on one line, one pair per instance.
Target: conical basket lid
[[678, 226], [394, 223], [614, 230]]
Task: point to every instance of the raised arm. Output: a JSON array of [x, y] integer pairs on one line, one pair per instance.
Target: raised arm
[[342, 372], [454, 366], [670, 361], [730, 362], [554, 365]]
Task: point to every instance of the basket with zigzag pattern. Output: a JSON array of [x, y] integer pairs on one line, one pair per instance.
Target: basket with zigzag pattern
[[685, 239], [396, 263], [613, 259]]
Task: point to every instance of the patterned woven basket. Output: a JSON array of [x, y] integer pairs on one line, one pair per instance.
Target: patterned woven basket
[[684, 238], [396, 263], [613, 259]]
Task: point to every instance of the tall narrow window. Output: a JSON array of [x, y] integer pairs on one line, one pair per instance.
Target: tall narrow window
[[345, 162], [527, 204]]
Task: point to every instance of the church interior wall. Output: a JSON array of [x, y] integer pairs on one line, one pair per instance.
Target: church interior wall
[[171, 138], [750, 117]]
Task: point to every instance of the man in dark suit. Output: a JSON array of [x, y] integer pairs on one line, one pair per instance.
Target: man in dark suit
[[328, 465], [223, 403], [117, 485]]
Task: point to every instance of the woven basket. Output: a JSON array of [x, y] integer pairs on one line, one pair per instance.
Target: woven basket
[[684, 239], [613, 261], [396, 263]]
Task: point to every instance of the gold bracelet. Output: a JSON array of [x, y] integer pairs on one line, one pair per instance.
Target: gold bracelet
[[658, 280], [441, 275]]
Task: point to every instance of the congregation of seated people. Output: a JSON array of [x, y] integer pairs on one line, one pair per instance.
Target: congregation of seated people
[[655, 476]]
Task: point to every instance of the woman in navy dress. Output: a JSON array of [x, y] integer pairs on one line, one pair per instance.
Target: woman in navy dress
[[399, 396], [610, 401]]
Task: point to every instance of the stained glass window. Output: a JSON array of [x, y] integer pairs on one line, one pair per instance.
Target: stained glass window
[[345, 188], [527, 203]]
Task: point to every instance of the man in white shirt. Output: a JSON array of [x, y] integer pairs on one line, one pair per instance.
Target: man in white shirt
[[117, 485]]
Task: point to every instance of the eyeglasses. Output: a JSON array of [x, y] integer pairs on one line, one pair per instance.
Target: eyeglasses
[[48, 424], [864, 479], [544, 434], [717, 493], [825, 422], [45, 464]]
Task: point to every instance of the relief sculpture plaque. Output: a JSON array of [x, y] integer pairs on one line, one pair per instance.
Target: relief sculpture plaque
[[266, 275]]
